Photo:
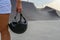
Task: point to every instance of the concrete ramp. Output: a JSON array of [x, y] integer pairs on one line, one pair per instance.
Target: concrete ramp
[[31, 13], [29, 10]]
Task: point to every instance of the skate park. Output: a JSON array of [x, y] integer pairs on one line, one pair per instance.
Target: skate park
[[43, 24]]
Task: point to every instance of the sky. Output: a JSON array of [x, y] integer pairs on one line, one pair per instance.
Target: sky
[[55, 4], [39, 3], [42, 3]]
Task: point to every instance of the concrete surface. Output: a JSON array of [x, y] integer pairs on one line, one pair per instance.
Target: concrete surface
[[31, 13], [58, 12], [40, 30]]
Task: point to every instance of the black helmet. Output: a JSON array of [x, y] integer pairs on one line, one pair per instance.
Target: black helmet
[[20, 26]]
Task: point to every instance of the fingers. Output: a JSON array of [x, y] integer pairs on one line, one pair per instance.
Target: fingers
[[19, 9]]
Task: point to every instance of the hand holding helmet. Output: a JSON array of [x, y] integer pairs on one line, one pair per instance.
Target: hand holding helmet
[[20, 26], [18, 6]]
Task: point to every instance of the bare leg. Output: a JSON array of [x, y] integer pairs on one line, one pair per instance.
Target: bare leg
[[4, 27], [5, 35]]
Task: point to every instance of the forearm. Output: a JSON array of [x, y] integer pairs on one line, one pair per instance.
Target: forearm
[[18, 3]]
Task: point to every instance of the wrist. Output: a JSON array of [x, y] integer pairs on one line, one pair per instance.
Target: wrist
[[18, 3]]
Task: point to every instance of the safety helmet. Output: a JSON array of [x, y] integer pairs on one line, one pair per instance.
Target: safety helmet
[[20, 26]]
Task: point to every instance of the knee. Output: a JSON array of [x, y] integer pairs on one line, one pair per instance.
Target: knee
[[4, 29]]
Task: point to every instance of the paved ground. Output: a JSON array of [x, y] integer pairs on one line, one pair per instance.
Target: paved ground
[[40, 30]]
